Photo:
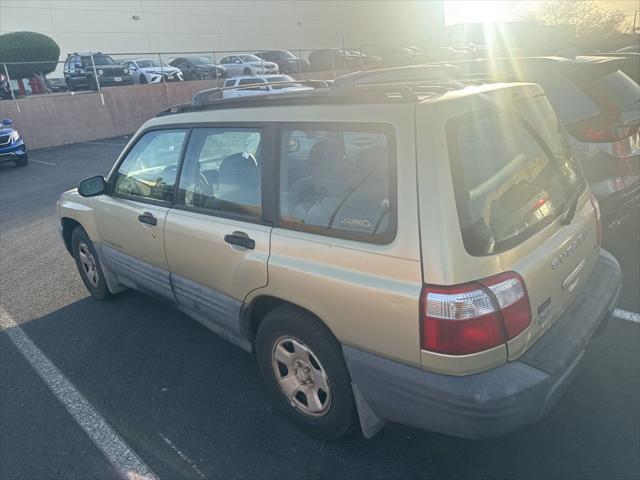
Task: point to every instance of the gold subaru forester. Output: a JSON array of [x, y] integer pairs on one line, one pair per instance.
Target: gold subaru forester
[[393, 246]]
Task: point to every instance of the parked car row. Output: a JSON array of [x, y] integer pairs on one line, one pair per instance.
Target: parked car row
[[79, 67]]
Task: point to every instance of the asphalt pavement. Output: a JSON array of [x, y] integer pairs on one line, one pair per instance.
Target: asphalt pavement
[[191, 405]]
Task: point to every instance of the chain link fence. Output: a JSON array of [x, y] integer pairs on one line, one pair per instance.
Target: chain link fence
[[91, 72]]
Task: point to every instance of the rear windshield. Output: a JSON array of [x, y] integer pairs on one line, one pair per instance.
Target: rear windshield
[[509, 183], [619, 90]]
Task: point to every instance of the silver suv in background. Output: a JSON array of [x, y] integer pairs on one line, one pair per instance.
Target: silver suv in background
[[248, 64], [599, 106]]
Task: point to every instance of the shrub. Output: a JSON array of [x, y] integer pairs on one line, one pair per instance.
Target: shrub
[[28, 47]]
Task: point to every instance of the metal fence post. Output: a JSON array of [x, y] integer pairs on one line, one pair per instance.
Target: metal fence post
[[300, 64], [95, 75], [13, 95], [161, 68], [333, 63], [213, 56]]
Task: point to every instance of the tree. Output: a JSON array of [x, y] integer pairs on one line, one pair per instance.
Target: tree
[[589, 18], [28, 47]]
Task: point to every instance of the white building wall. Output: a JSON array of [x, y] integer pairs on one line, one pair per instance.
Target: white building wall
[[214, 25]]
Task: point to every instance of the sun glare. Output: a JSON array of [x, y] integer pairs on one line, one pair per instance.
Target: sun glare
[[484, 11]]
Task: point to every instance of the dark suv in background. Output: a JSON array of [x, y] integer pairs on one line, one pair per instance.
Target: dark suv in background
[[79, 72], [333, 59], [287, 61], [599, 106]]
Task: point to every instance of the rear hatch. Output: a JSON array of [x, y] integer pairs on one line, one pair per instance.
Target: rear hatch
[[522, 206]]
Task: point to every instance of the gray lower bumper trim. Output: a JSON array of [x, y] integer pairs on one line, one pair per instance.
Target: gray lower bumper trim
[[493, 402]]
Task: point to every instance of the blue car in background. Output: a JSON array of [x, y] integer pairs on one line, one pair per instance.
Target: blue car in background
[[12, 147]]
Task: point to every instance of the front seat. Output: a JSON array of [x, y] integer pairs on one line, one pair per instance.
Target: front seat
[[239, 183]]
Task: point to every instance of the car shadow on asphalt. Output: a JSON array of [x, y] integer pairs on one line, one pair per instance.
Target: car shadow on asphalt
[[167, 384]]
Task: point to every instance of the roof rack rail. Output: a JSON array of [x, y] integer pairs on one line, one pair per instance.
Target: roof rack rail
[[413, 73], [401, 84], [204, 97], [174, 109], [387, 92]]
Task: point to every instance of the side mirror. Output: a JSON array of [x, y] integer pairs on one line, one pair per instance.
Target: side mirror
[[6, 122], [92, 186], [293, 146]]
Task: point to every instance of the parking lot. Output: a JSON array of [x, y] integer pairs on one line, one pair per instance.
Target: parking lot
[[191, 405]]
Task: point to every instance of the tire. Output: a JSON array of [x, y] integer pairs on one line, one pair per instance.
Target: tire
[[69, 84], [143, 79], [22, 162], [96, 285], [247, 72], [287, 328]]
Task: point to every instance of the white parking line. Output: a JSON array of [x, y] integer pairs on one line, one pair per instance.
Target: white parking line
[[182, 456], [628, 316], [44, 163], [123, 459]]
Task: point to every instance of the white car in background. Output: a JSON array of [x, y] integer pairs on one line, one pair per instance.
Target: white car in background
[[261, 85], [247, 64], [145, 70]]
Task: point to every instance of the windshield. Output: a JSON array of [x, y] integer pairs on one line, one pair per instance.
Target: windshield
[[249, 58], [148, 64], [98, 60], [510, 180], [201, 61]]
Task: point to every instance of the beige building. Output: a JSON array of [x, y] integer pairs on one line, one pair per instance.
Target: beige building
[[140, 26]]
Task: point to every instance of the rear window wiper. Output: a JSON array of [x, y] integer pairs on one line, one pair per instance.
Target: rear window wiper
[[568, 218]]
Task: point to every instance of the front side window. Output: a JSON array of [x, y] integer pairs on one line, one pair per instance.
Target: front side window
[[149, 169], [249, 58], [507, 186], [98, 60], [222, 171], [338, 181]]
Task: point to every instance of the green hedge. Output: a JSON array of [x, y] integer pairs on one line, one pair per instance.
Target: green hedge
[[28, 47]]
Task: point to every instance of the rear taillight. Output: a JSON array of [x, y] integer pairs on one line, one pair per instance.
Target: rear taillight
[[587, 132], [596, 212], [476, 316]]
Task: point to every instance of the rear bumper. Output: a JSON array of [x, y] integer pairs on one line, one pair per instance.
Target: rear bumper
[[496, 401]]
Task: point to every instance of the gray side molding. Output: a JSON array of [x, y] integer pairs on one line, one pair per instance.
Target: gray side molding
[[370, 423], [137, 274]]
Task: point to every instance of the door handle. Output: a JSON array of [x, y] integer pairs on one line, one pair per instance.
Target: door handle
[[240, 239], [148, 218]]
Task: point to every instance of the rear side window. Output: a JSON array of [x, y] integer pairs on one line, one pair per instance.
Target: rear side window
[[339, 181], [509, 184], [251, 81]]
